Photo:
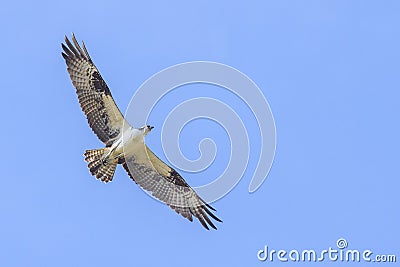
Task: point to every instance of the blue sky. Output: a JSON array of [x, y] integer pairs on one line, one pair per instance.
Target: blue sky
[[329, 70]]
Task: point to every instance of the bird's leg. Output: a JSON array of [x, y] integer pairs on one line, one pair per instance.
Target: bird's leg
[[113, 147]]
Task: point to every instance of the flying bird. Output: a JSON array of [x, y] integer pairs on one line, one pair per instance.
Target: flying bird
[[125, 144]]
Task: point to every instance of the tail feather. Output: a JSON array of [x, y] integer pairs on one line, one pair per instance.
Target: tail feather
[[100, 167], [94, 154]]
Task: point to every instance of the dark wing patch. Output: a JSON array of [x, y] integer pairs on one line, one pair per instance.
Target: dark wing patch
[[94, 96], [168, 186]]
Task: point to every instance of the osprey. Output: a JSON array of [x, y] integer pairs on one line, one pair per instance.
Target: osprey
[[124, 144]]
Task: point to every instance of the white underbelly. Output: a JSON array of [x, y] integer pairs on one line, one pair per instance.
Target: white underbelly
[[130, 143]]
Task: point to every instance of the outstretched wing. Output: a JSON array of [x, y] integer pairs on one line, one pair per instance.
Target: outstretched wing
[[94, 96], [153, 175]]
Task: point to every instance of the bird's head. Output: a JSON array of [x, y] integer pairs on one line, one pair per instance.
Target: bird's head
[[146, 129]]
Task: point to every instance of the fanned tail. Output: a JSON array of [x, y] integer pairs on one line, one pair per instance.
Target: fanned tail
[[99, 166]]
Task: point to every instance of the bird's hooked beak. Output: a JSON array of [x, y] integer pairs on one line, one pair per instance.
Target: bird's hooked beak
[[147, 129]]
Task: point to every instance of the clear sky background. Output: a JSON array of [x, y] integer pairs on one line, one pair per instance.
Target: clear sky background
[[329, 70]]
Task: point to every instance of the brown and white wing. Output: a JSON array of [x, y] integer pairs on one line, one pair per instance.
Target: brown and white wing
[[153, 175], [94, 96]]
